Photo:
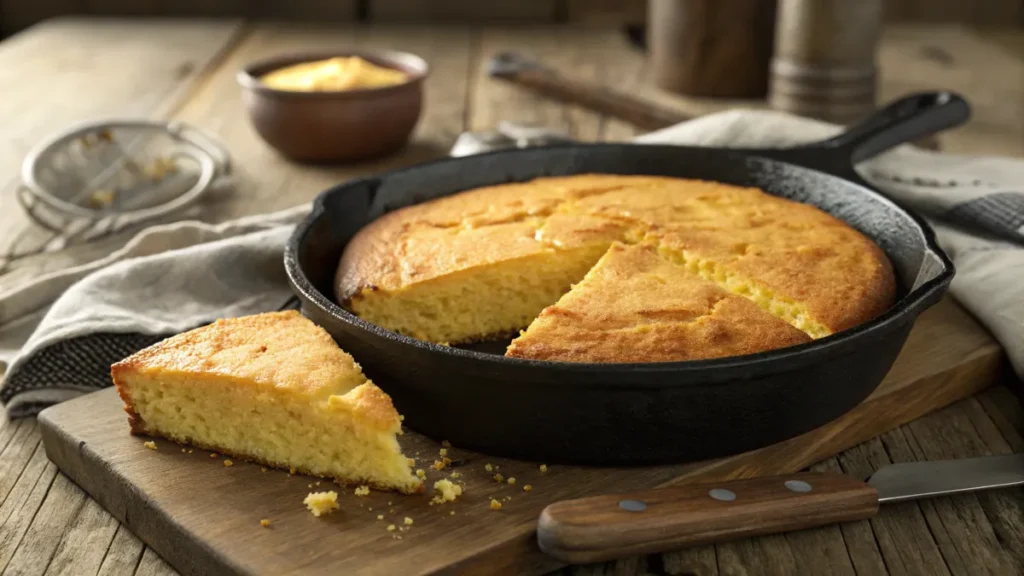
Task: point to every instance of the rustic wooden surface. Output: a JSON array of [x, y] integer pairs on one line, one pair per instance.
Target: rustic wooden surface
[[207, 521], [173, 69]]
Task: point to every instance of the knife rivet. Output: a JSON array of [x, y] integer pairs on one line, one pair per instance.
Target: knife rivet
[[632, 505], [722, 494], [798, 486]]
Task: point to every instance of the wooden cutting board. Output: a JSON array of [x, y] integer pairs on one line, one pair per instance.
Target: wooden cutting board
[[204, 517]]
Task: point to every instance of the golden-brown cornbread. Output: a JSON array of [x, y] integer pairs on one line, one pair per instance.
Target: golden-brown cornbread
[[274, 388], [636, 306], [489, 260]]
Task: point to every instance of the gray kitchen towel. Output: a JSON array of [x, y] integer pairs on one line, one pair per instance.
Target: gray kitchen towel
[[60, 333]]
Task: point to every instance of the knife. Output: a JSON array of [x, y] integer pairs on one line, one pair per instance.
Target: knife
[[606, 527]]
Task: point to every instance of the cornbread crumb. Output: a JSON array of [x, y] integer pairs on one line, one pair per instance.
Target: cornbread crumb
[[511, 479], [264, 522], [392, 528], [380, 516], [320, 503], [182, 450], [446, 444], [370, 508], [391, 511], [420, 473], [543, 467], [488, 467], [389, 502], [362, 491], [309, 485], [411, 461], [316, 483], [527, 487], [499, 478], [456, 475], [443, 451], [151, 445], [291, 471], [447, 461], [495, 505], [214, 455], [189, 450], [401, 417], [438, 465], [228, 463], [408, 521], [452, 513], [447, 491]]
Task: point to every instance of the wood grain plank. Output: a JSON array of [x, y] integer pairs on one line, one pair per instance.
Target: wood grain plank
[[19, 447], [964, 520], [900, 531], [152, 564], [157, 64], [86, 541], [63, 502], [19, 509], [123, 555], [1006, 413]]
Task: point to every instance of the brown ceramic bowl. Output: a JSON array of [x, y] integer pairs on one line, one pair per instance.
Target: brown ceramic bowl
[[339, 126]]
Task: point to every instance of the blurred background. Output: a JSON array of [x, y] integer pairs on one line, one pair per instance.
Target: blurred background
[[18, 14]]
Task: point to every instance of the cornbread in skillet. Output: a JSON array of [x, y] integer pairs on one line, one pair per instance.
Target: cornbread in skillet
[[635, 306], [489, 260], [273, 388]]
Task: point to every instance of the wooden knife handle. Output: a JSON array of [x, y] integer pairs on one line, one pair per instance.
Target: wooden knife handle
[[643, 114], [612, 526]]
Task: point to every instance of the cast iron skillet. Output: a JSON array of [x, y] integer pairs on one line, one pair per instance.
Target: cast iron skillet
[[616, 414]]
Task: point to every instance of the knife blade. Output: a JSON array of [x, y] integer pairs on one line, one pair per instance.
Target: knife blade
[[912, 480], [600, 528]]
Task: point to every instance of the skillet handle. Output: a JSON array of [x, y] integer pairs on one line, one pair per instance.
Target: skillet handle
[[905, 120], [600, 528]]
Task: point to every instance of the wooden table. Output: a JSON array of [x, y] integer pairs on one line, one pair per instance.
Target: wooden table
[[70, 70]]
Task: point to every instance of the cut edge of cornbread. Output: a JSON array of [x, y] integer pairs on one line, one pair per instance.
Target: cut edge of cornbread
[[785, 309], [479, 303], [637, 305], [272, 388]]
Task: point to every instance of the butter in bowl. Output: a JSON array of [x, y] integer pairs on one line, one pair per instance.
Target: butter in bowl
[[340, 107]]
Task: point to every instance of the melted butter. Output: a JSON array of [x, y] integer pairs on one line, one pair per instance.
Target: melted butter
[[333, 74]]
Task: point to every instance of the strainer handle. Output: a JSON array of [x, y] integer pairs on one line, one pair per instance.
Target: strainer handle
[[205, 141]]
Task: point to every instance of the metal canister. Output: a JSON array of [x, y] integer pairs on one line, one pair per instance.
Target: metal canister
[[824, 62]]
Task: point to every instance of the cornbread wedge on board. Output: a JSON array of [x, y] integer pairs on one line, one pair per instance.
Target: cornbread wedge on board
[[273, 388]]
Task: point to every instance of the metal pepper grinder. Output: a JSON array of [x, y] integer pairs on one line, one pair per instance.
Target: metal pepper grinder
[[824, 60]]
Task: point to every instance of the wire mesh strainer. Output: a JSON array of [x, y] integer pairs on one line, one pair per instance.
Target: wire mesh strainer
[[100, 177]]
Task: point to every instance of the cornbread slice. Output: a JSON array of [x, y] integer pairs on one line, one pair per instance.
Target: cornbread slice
[[487, 261], [636, 306], [274, 388]]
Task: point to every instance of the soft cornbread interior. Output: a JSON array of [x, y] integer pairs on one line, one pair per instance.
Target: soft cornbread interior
[[273, 388], [489, 260], [636, 306]]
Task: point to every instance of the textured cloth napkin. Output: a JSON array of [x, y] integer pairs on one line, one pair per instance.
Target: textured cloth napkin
[[60, 333]]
